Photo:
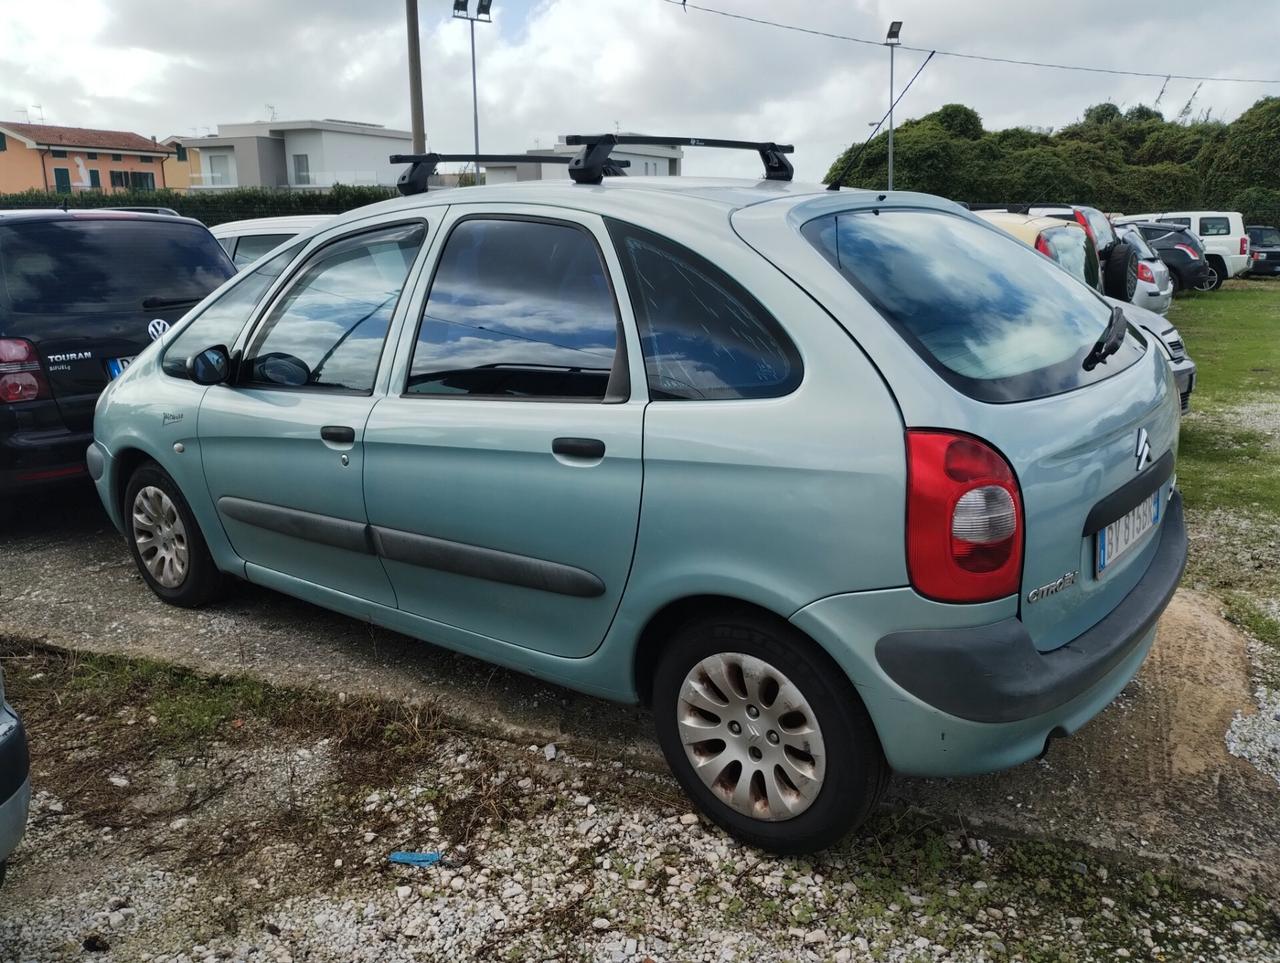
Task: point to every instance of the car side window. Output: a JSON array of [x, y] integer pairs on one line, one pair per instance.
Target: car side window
[[704, 336], [222, 320], [1214, 226], [519, 308], [1101, 227], [328, 330], [252, 246]]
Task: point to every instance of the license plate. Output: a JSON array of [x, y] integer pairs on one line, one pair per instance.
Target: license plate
[[1262, 257], [1125, 532], [116, 366]]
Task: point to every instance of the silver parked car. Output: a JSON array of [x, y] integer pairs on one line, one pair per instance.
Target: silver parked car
[[15, 784], [1155, 288]]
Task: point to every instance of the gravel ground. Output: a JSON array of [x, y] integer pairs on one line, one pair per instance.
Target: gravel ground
[[257, 844]]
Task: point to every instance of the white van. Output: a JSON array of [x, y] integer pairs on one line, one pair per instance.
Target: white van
[[1226, 243]]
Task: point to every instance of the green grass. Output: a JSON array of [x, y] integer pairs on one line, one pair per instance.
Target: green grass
[[1234, 337]]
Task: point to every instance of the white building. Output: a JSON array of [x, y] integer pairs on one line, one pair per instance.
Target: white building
[[646, 161], [298, 154]]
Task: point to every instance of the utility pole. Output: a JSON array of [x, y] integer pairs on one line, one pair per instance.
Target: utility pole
[[415, 78], [892, 41], [461, 10]]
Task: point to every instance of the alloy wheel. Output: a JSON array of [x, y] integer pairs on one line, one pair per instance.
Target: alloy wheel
[[751, 736], [160, 536]]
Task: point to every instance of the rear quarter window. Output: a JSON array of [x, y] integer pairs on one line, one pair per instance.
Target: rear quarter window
[[1215, 226], [983, 310]]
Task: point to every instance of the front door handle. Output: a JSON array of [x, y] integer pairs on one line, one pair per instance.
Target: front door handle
[[338, 434], [578, 447]]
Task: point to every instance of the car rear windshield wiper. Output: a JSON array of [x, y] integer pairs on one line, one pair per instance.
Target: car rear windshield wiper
[[158, 302], [1109, 343]]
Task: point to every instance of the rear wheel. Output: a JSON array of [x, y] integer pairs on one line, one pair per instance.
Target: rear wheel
[[765, 734], [165, 540], [1217, 274]]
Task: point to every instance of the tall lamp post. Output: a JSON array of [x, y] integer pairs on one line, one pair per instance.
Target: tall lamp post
[[891, 41], [461, 10], [415, 77]]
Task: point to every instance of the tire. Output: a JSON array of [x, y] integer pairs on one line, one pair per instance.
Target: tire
[[1217, 274], [1175, 282], [155, 512], [758, 659], [1120, 273]]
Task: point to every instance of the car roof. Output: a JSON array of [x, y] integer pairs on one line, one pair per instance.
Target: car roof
[[1025, 227], [88, 214], [271, 225]]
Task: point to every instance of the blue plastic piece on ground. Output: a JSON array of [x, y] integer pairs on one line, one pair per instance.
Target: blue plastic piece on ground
[[415, 859]]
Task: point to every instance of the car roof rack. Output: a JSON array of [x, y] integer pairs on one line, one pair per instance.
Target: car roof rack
[[414, 180], [592, 163]]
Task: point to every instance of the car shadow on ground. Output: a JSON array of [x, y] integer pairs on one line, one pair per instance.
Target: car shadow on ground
[[1149, 777]]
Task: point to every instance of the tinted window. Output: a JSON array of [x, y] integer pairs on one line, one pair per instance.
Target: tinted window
[[984, 310], [1214, 226], [81, 265], [222, 320], [1264, 237], [328, 329], [1100, 226], [252, 246], [703, 336], [1075, 252], [517, 309]]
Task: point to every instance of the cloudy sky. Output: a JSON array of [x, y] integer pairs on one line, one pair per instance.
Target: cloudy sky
[[549, 67]]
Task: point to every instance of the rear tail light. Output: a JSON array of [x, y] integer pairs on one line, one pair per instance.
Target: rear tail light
[[1043, 247], [1188, 250], [964, 519], [21, 377], [1145, 273], [1244, 245]]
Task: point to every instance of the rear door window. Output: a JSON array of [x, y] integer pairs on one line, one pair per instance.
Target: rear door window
[[704, 336], [1215, 226], [985, 311], [82, 265]]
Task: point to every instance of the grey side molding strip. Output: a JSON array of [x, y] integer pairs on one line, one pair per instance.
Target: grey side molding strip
[[324, 529], [486, 563]]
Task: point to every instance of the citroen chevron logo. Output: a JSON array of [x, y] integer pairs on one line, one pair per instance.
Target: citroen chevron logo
[[1143, 451]]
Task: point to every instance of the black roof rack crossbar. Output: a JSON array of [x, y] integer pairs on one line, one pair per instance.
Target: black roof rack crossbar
[[414, 180], [591, 163]]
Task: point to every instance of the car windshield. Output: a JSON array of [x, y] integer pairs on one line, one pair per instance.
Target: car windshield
[[985, 311], [81, 265]]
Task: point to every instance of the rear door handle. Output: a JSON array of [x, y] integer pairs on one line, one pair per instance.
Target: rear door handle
[[338, 434], [578, 447]]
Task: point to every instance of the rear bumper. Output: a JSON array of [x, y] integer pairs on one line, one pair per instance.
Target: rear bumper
[[1192, 273], [15, 785], [39, 458], [1267, 268]]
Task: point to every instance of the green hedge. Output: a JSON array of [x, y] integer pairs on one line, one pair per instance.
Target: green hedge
[[213, 207]]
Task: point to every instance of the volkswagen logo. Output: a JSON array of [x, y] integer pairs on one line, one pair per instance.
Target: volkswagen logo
[[1143, 452], [157, 327]]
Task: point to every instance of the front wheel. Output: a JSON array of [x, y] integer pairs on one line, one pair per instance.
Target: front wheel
[[166, 542], [766, 734]]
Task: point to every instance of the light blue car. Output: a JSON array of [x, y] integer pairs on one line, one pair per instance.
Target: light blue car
[[840, 483]]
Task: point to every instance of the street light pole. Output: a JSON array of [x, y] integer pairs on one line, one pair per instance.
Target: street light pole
[[891, 41], [415, 78], [462, 12]]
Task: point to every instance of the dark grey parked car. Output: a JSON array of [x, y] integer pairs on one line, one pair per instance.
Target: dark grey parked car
[[15, 783], [1264, 250]]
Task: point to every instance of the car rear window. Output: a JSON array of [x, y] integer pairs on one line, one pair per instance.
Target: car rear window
[[82, 265], [1264, 237], [1215, 226], [985, 311], [1139, 244], [1073, 250]]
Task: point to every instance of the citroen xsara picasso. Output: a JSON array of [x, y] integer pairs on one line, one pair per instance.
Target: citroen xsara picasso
[[841, 483]]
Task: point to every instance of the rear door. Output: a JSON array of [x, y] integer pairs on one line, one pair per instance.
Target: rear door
[[283, 445], [503, 471], [92, 291], [1008, 336]]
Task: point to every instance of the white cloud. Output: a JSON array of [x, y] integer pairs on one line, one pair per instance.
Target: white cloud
[[560, 66]]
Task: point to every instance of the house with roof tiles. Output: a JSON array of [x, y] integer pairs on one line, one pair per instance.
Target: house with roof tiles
[[44, 157]]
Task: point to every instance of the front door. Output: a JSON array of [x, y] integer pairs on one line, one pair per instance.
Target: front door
[[283, 445], [503, 470]]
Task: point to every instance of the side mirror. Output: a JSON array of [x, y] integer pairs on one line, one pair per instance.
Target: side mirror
[[210, 367]]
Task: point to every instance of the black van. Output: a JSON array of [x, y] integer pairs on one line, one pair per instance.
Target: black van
[[81, 293]]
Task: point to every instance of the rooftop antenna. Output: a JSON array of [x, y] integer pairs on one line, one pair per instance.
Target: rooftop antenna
[[271, 111], [41, 109], [25, 113]]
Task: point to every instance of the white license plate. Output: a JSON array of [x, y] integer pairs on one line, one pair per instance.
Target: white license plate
[[1125, 532], [116, 366]]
